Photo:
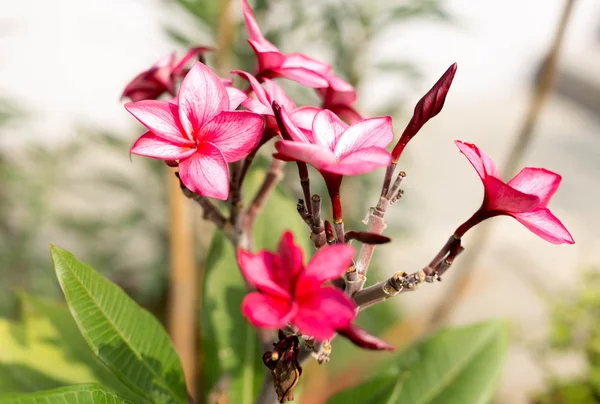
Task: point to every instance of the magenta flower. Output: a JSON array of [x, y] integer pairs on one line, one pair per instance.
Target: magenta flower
[[200, 132], [272, 63], [524, 197], [161, 77], [336, 148], [290, 293], [264, 98]]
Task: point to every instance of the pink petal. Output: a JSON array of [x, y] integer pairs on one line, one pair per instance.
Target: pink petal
[[341, 92], [254, 30], [291, 254], [302, 75], [267, 311], [327, 264], [482, 163], [543, 223], [150, 145], [327, 129], [503, 198], [276, 93], [322, 312], [360, 162], [160, 117], [192, 53], [259, 91], [299, 60], [236, 97], [348, 114], [235, 133], [373, 132], [536, 181], [295, 133], [314, 155], [252, 104], [303, 117], [263, 271], [202, 96], [206, 172]]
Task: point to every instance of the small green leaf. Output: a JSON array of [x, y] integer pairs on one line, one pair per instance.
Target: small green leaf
[[453, 366], [79, 394], [127, 338]]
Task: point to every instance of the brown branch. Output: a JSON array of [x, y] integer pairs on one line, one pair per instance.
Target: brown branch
[[522, 143]]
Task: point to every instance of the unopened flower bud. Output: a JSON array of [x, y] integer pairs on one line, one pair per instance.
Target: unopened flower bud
[[363, 339]]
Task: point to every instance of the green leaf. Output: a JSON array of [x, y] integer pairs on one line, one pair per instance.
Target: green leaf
[[230, 344], [458, 365], [127, 338], [80, 394]]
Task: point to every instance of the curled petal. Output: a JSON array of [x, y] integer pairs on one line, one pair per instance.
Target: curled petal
[[150, 145], [267, 311], [328, 263], [363, 339], [254, 30], [267, 60], [316, 156], [160, 117], [503, 198], [303, 117], [252, 104], [360, 162], [197, 52], [482, 163], [206, 172], [289, 131], [299, 60], [236, 97], [543, 223], [276, 93], [373, 132], [323, 311], [536, 181], [264, 271], [202, 96], [327, 129], [259, 91], [302, 75], [235, 133]]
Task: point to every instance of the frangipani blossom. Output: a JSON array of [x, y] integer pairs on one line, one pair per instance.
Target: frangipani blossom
[[265, 96], [290, 293], [200, 132], [336, 148], [272, 63], [525, 197], [161, 77], [339, 97]]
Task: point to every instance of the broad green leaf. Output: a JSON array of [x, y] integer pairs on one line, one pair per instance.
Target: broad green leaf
[[127, 338], [454, 366], [80, 394], [230, 344]]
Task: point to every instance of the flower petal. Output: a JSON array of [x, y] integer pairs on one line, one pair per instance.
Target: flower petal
[[150, 145], [202, 96], [303, 117], [543, 223], [291, 257], [235, 133], [276, 93], [294, 131], [327, 264], [348, 114], [267, 311], [236, 97], [327, 129], [160, 117], [302, 75], [252, 104], [314, 155], [360, 162], [323, 311], [482, 163], [267, 60], [372, 132], [263, 271], [300, 60], [536, 181], [254, 30], [206, 172], [503, 198], [259, 91]]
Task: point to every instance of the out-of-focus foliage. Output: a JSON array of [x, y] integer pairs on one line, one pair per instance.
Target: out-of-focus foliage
[[575, 327]]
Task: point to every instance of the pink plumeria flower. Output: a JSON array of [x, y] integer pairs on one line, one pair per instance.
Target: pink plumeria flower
[[161, 77], [262, 102], [290, 293], [272, 63], [336, 148], [339, 97], [199, 131], [524, 197]]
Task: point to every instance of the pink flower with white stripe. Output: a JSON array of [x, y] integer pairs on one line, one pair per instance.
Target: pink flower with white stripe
[[290, 293], [525, 197], [200, 132]]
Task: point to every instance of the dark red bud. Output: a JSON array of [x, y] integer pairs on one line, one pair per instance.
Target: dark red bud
[[363, 339], [366, 237], [429, 106], [172, 163]]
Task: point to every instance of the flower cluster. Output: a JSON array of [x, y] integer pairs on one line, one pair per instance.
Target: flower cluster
[[210, 124]]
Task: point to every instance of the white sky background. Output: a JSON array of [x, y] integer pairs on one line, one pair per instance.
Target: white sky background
[[66, 62]]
